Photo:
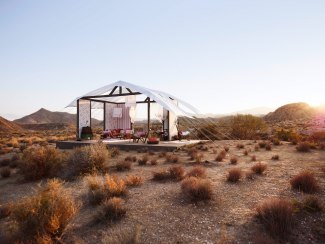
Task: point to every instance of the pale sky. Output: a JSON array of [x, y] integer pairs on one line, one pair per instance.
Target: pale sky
[[220, 56]]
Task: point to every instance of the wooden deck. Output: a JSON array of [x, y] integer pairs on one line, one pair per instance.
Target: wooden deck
[[129, 144]]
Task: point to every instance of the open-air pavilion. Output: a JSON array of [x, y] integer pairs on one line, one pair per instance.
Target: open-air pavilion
[[119, 103]]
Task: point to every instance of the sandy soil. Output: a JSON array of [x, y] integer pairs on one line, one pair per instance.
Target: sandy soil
[[165, 216]]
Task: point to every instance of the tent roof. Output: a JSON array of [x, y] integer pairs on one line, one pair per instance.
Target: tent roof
[[111, 92]]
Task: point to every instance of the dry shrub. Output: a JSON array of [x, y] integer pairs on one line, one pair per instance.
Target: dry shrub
[[111, 210], [198, 172], [133, 180], [5, 162], [154, 161], [268, 147], [262, 144], [198, 158], [259, 168], [226, 148], [253, 158], [131, 158], [250, 174], [305, 181], [312, 204], [245, 152], [233, 160], [221, 156], [160, 175], [123, 165], [101, 188], [176, 173], [276, 142], [143, 160], [162, 154], [172, 158], [276, 215], [88, 159], [151, 153], [123, 236], [114, 152], [197, 189], [256, 147], [40, 162], [240, 146], [5, 172], [234, 175], [192, 153], [275, 157], [5, 210], [46, 213], [303, 147]]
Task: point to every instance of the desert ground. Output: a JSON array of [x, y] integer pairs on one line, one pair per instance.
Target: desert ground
[[159, 212]]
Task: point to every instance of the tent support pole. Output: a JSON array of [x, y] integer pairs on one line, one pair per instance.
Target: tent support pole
[[148, 115], [77, 125]]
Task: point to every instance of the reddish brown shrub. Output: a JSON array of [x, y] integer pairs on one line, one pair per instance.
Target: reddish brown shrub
[[172, 158], [262, 144], [198, 158], [259, 168], [133, 180], [276, 215], [305, 181], [303, 147], [197, 171], [111, 209], [240, 146], [276, 142], [161, 175], [233, 160], [197, 189], [226, 148], [245, 152], [123, 165], [268, 147], [143, 161], [312, 204], [153, 161], [257, 147], [176, 173], [114, 152], [253, 158], [5, 162], [250, 174], [275, 157], [234, 175], [5, 172], [5, 210]]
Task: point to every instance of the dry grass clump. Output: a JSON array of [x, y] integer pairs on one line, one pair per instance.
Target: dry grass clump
[[153, 161], [143, 160], [101, 188], [131, 158], [5, 210], [162, 154], [111, 210], [40, 162], [198, 158], [160, 175], [268, 147], [172, 158], [123, 236], [312, 204], [246, 152], [259, 168], [88, 159], [256, 147], [234, 175], [262, 144], [198, 172], [45, 214], [253, 158], [197, 189], [226, 148], [134, 180], [192, 153], [305, 181], [275, 157], [234, 160], [114, 152], [250, 174], [221, 156], [303, 147], [123, 165], [240, 146], [276, 142], [5, 172], [276, 215], [5, 162], [176, 173]]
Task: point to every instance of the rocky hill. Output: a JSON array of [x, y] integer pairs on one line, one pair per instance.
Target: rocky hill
[[8, 126], [291, 112]]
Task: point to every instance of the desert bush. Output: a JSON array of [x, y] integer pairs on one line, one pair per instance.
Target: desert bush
[[47, 212], [5, 162], [250, 174], [305, 181], [253, 158], [312, 204], [245, 152], [268, 147], [276, 142], [123, 165], [233, 160], [197, 189], [240, 146], [234, 175], [114, 152], [176, 173], [131, 158], [256, 147], [221, 156], [226, 148], [171, 158], [40, 162], [111, 210], [151, 153], [303, 147], [247, 127], [162, 154], [5, 210], [143, 160], [275, 157], [88, 159], [153, 161], [259, 168], [161, 175], [276, 215], [198, 172], [198, 158], [133, 180], [5, 172], [262, 144], [288, 135]]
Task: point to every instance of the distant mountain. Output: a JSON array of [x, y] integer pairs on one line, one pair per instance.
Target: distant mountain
[[8, 126], [44, 116], [292, 111], [255, 111]]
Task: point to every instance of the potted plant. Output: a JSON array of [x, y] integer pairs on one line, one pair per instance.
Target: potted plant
[[152, 138]]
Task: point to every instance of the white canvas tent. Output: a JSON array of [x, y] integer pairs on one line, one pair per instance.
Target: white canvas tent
[[119, 102]]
